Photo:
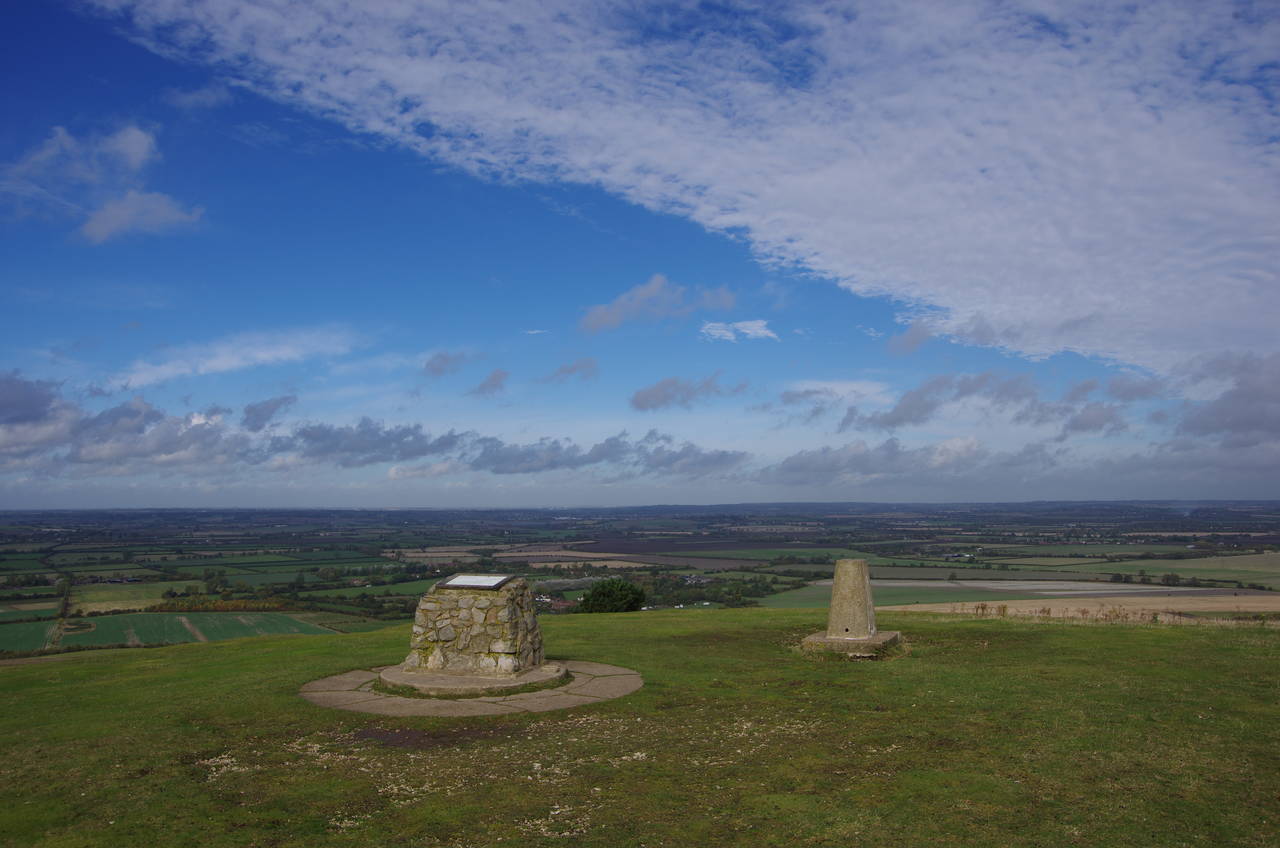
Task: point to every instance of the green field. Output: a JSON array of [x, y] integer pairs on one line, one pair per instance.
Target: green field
[[28, 590], [986, 732], [157, 628], [343, 623], [820, 596], [127, 595], [11, 562], [188, 561], [110, 570], [1247, 568], [410, 587], [254, 577], [322, 555], [95, 558], [9, 614], [25, 636]]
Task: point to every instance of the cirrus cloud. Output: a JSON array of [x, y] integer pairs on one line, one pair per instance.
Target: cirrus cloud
[[758, 329], [1058, 176], [236, 352]]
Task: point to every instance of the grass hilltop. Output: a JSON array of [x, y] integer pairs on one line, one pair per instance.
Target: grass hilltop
[[987, 732]]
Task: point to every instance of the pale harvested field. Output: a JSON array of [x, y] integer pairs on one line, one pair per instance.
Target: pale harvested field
[[32, 605], [1132, 606]]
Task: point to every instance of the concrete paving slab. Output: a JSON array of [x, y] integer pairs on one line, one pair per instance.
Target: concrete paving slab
[[340, 699], [612, 686], [591, 683], [430, 707], [471, 685], [339, 682], [595, 668]]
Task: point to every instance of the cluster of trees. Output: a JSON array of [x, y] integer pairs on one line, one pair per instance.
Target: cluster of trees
[[612, 595], [673, 590]]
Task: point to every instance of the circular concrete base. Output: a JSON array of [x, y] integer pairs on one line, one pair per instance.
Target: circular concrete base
[[591, 683], [470, 685]]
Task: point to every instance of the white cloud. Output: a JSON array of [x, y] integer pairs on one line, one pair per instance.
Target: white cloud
[[652, 300], [137, 211], [871, 392], [717, 331], [208, 97], [133, 146], [98, 178], [1063, 176], [430, 469], [239, 351], [494, 384]]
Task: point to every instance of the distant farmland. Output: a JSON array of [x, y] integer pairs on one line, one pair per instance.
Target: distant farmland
[[1247, 568], [153, 629]]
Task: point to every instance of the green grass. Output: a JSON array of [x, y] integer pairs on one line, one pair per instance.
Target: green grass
[[158, 628], [25, 636], [127, 595], [342, 623], [987, 732]]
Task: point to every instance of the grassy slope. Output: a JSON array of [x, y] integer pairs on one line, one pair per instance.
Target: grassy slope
[[989, 732]]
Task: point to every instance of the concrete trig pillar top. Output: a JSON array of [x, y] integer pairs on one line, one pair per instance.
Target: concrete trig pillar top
[[852, 614]]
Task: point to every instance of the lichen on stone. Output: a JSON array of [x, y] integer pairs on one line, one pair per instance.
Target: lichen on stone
[[486, 631]]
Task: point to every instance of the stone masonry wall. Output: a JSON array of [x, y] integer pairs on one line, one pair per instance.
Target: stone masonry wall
[[476, 631]]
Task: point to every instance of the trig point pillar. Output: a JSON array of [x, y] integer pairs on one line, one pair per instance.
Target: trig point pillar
[[851, 621]]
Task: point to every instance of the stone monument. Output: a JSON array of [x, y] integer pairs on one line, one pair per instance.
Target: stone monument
[[851, 621], [474, 634]]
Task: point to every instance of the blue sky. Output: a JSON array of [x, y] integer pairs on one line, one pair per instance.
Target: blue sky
[[486, 254]]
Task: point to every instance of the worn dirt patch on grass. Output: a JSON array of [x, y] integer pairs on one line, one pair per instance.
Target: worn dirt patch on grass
[[425, 740]]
